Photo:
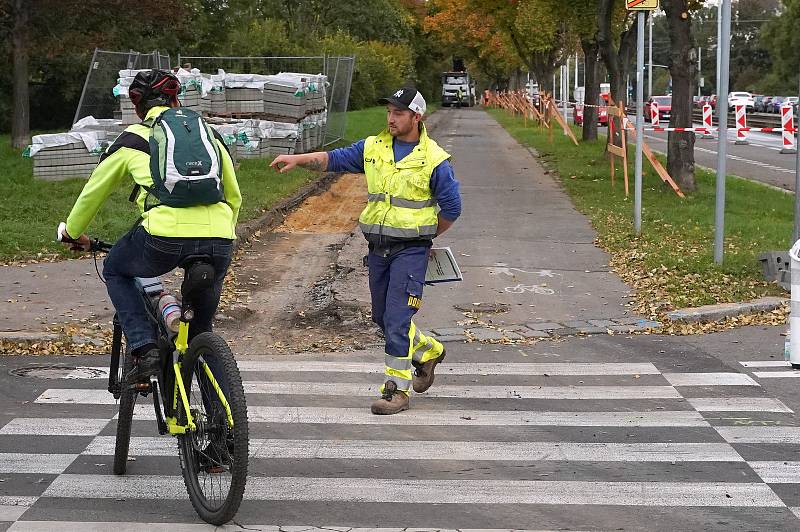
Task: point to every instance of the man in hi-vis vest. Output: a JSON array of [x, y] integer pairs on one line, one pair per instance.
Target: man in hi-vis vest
[[413, 197]]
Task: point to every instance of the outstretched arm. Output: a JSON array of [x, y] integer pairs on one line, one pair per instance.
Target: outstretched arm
[[317, 161]]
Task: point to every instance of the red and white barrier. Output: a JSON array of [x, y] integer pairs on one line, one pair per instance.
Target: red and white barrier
[[579, 113], [707, 114], [741, 124], [788, 130], [654, 114]]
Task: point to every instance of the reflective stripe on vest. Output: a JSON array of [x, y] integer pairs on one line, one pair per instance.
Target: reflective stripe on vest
[[378, 229], [400, 202]]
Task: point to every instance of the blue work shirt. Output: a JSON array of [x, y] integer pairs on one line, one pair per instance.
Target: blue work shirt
[[444, 185]]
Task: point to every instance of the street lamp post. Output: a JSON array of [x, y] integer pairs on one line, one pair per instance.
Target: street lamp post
[[650, 60]]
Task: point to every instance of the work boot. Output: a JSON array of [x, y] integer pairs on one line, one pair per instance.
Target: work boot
[[423, 373], [144, 366], [392, 400]]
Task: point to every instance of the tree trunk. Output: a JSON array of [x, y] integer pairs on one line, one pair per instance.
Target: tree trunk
[[20, 121], [683, 69], [591, 88], [605, 41]]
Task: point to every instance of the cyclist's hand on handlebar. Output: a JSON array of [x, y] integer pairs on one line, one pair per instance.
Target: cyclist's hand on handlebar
[[82, 243]]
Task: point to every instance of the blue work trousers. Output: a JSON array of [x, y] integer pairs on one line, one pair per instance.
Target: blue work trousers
[[395, 282]]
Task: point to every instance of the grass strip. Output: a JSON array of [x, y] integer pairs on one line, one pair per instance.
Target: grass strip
[[671, 263]]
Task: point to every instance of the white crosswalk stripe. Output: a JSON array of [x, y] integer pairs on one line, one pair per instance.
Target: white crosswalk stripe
[[368, 490], [449, 450], [464, 418], [592, 437]]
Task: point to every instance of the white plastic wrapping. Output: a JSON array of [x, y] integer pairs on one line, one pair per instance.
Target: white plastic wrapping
[[91, 139]]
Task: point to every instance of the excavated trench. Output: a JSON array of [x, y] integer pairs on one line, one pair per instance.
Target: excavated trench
[[294, 284]]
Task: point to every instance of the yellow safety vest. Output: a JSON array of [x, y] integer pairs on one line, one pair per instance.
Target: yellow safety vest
[[400, 204]]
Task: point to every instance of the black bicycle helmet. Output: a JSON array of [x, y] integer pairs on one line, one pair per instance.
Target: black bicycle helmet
[[151, 88]]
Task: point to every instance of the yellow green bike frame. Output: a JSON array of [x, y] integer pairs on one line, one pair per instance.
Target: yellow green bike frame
[[179, 391]]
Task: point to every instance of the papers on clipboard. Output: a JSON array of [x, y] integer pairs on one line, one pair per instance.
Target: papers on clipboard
[[442, 267]]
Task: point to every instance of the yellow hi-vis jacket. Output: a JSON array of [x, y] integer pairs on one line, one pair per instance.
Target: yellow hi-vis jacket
[[400, 204], [129, 156]]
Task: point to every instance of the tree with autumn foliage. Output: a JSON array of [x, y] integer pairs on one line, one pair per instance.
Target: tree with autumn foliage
[[473, 35]]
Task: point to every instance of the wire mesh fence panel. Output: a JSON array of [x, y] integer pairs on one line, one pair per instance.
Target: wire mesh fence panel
[[340, 75], [97, 98]]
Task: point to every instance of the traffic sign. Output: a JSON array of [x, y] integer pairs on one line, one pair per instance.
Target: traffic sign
[[642, 5]]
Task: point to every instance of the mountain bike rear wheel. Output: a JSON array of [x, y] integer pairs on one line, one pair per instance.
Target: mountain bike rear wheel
[[214, 456], [127, 400]]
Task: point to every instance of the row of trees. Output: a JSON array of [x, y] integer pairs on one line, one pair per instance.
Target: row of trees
[[500, 36], [538, 36], [50, 43]]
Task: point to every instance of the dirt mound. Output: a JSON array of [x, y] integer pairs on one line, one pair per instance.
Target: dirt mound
[[334, 211]]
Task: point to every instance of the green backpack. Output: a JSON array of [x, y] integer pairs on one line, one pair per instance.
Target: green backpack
[[185, 160]]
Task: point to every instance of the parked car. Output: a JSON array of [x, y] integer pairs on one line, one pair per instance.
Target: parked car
[[758, 103], [664, 107], [697, 101], [741, 98], [602, 112], [775, 104], [712, 100], [794, 101], [766, 103]]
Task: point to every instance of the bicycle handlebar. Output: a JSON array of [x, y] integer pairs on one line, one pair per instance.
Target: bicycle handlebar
[[94, 245]]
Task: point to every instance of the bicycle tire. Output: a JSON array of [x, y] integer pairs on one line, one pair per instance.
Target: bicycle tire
[[127, 401], [196, 446]]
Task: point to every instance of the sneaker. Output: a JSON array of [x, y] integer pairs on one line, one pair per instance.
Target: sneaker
[[145, 366], [423, 373], [392, 400]]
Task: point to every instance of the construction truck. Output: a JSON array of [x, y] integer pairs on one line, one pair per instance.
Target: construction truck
[[451, 83]]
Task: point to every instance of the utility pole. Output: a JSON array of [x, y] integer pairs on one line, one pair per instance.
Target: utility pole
[[650, 60], [723, 54], [637, 191], [576, 70], [699, 69], [796, 232]]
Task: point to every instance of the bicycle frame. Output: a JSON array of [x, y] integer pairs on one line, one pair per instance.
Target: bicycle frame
[[167, 421]]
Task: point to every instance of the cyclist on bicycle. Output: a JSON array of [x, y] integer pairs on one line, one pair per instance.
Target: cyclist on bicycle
[[165, 235]]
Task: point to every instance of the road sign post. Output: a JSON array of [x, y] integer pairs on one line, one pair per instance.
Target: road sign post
[[723, 50], [641, 6]]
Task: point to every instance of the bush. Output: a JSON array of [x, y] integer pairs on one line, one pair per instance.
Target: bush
[[380, 68]]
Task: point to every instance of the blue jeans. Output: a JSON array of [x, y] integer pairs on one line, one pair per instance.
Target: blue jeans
[[140, 254]]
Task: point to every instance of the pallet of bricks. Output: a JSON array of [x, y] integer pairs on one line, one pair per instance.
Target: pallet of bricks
[[70, 155], [264, 138], [213, 101], [244, 93]]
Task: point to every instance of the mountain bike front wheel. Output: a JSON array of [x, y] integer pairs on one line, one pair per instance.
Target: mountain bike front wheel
[[214, 456]]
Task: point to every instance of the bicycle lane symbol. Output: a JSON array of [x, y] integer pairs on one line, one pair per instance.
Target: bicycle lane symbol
[[532, 288]]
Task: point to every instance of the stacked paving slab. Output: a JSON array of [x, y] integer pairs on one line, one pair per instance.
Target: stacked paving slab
[[258, 116]]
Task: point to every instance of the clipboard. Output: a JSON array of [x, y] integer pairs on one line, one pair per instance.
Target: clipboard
[[442, 267]]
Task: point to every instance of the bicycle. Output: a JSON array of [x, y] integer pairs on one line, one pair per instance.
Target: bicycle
[[203, 407]]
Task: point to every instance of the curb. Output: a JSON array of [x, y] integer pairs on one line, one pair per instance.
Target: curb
[[726, 310], [275, 216]]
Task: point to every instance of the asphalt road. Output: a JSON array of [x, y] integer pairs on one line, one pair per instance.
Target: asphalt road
[[759, 160]]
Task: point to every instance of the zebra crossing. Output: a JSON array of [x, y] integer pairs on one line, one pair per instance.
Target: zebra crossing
[[500, 445]]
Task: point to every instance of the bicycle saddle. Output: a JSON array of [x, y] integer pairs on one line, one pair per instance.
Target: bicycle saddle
[[198, 276]]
